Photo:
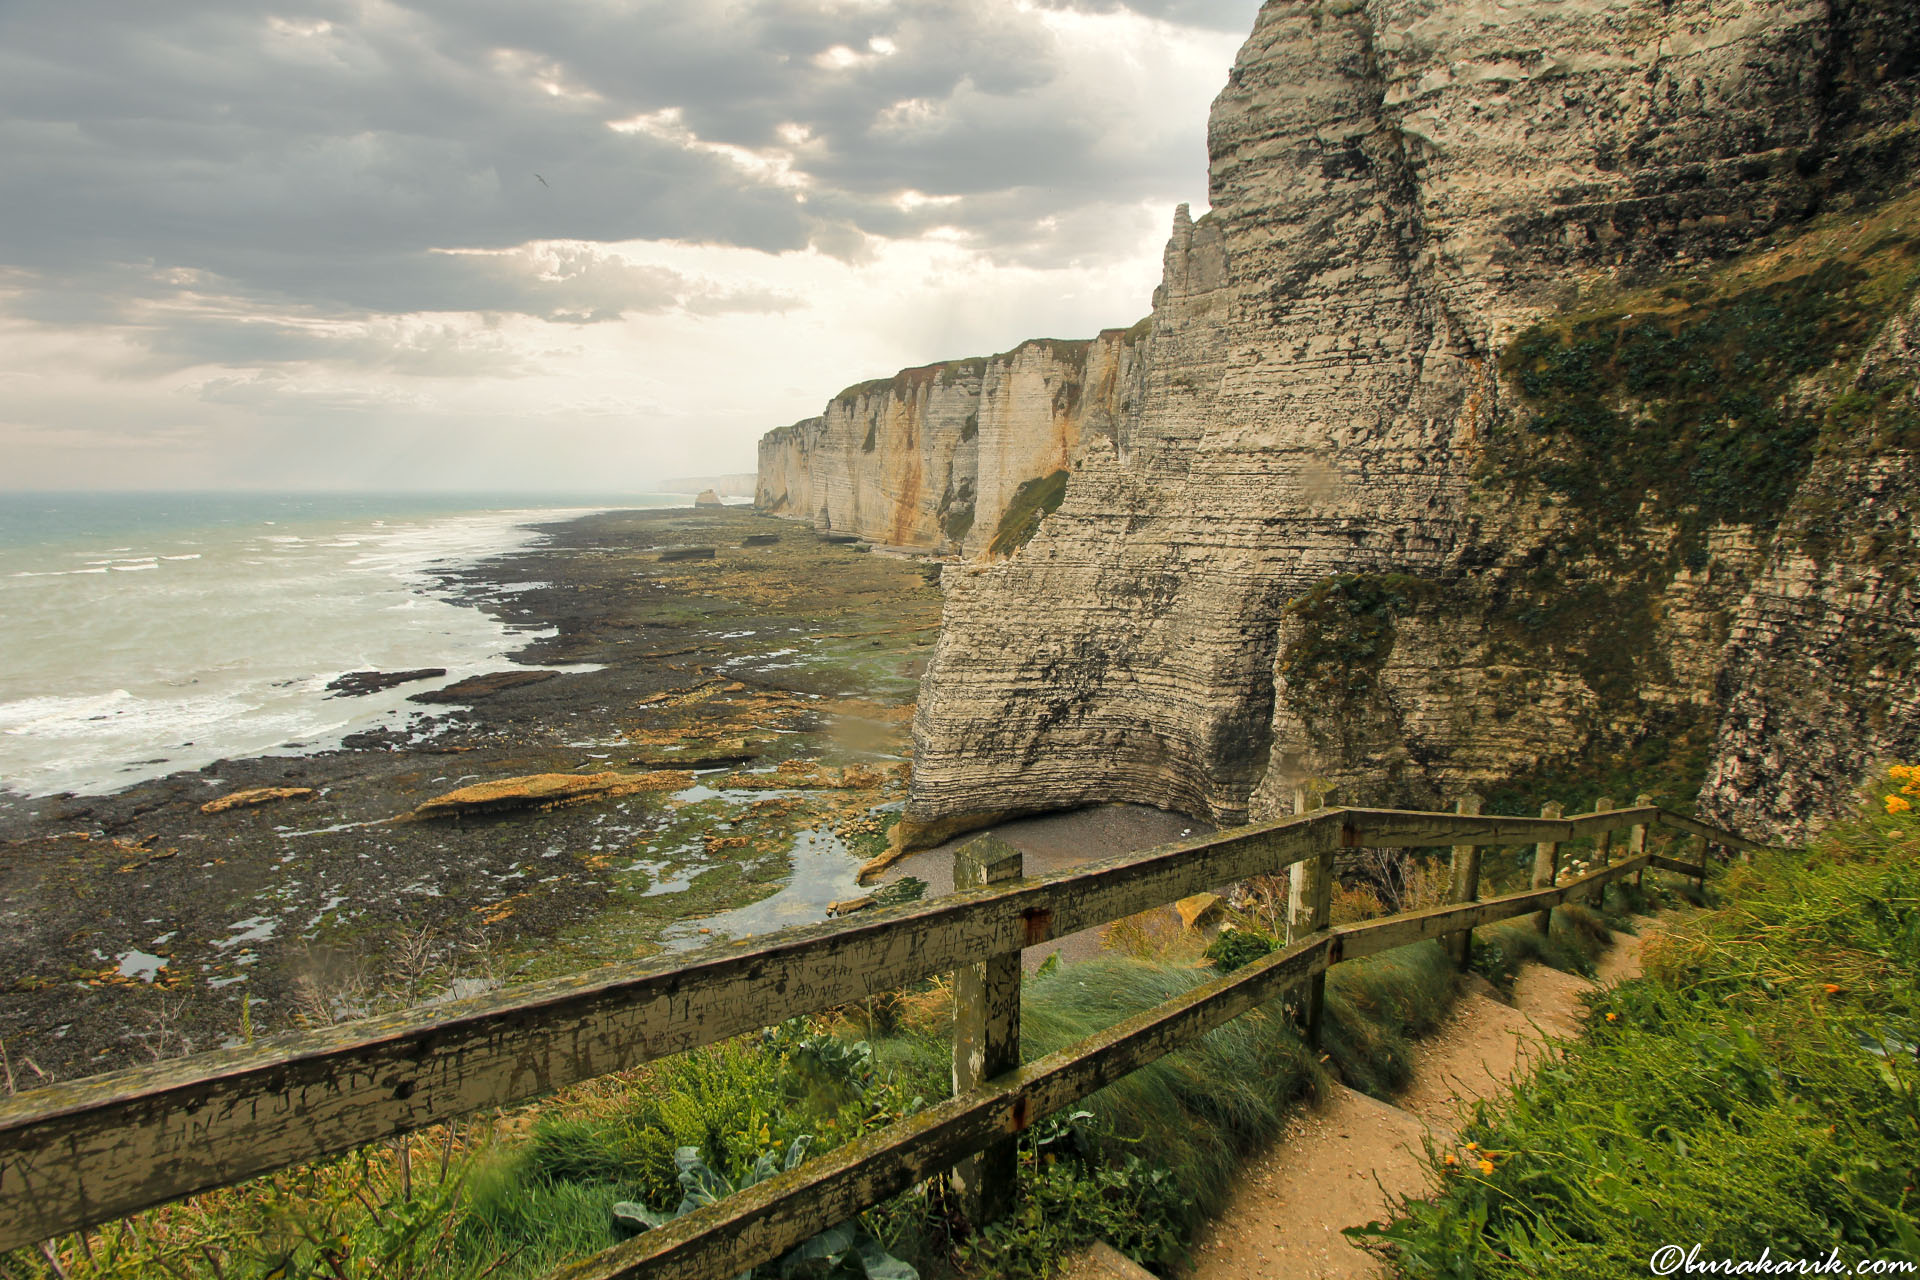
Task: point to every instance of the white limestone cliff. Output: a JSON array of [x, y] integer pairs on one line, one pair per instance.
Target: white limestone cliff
[[1399, 189]]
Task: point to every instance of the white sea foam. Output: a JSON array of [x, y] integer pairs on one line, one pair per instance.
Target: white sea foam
[[204, 642]]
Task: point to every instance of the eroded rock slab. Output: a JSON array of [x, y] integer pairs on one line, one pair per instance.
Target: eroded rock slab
[[358, 684], [538, 790], [483, 686], [254, 797]]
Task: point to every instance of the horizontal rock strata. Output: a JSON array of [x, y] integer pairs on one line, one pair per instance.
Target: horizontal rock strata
[[1331, 533], [940, 456]]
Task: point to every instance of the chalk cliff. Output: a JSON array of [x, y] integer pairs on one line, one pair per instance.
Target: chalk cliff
[[963, 456], [1539, 389]]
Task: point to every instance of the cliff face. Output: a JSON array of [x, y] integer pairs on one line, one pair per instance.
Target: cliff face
[[951, 456], [1821, 679], [1465, 443]]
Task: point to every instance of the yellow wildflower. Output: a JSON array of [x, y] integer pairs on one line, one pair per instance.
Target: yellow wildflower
[[1473, 1146], [1831, 988], [1898, 804], [1450, 1159], [1613, 1017], [1486, 1167]]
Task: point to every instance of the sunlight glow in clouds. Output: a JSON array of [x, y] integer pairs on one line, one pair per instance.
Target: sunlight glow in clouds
[[366, 243]]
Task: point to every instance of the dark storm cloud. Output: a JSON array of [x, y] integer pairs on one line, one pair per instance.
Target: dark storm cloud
[[318, 155]]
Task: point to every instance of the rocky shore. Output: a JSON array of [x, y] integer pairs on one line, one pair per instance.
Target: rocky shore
[[735, 753]]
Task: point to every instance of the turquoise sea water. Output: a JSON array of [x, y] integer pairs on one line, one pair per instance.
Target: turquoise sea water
[[141, 634]]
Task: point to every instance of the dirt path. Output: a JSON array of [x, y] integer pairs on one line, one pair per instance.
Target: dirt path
[[1340, 1164]]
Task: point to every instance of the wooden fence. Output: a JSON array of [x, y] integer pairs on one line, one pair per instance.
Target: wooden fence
[[83, 1152]]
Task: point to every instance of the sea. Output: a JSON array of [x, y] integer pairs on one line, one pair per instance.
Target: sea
[[146, 633]]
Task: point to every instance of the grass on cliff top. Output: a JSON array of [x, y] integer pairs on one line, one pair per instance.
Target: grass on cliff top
[[1756, 1090]]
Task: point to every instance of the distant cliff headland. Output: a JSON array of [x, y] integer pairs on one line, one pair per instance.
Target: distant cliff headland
[[964, 456], [1541, 388]]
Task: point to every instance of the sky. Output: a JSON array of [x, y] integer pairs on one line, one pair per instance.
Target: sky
[[569, 245]]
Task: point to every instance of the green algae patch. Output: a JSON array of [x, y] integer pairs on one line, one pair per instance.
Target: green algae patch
[[1032, 503]]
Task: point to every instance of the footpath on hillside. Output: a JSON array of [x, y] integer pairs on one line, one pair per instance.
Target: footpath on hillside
[[1345, 1160], [1341, 1163]]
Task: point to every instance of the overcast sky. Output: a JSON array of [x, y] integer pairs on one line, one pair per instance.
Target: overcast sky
[[575, 244]]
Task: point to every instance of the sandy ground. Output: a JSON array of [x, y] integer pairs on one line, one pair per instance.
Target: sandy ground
[[1344, 1161]]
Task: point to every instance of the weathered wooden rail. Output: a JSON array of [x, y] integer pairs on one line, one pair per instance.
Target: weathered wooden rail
[[76, 1154]]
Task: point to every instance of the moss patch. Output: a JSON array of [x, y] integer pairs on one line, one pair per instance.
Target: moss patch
[[1346, 633], [1032, 502], [1705, 398]]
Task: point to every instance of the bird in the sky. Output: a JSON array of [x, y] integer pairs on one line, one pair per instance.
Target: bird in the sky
[[543, 182]]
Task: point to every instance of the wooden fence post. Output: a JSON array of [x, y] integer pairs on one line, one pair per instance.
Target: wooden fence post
[[1546, 867], [1466, 884], [1637, 838], [1700, 881], [1602, 853], [1309, 910], [986, 1036]]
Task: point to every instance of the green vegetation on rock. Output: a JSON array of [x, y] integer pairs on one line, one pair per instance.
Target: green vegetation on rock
[[973, 368], [1707, 396], [1031, 503], [1663, 429], [1346, 632]]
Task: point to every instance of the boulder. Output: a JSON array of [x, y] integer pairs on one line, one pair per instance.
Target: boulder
[[1201, 909]]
